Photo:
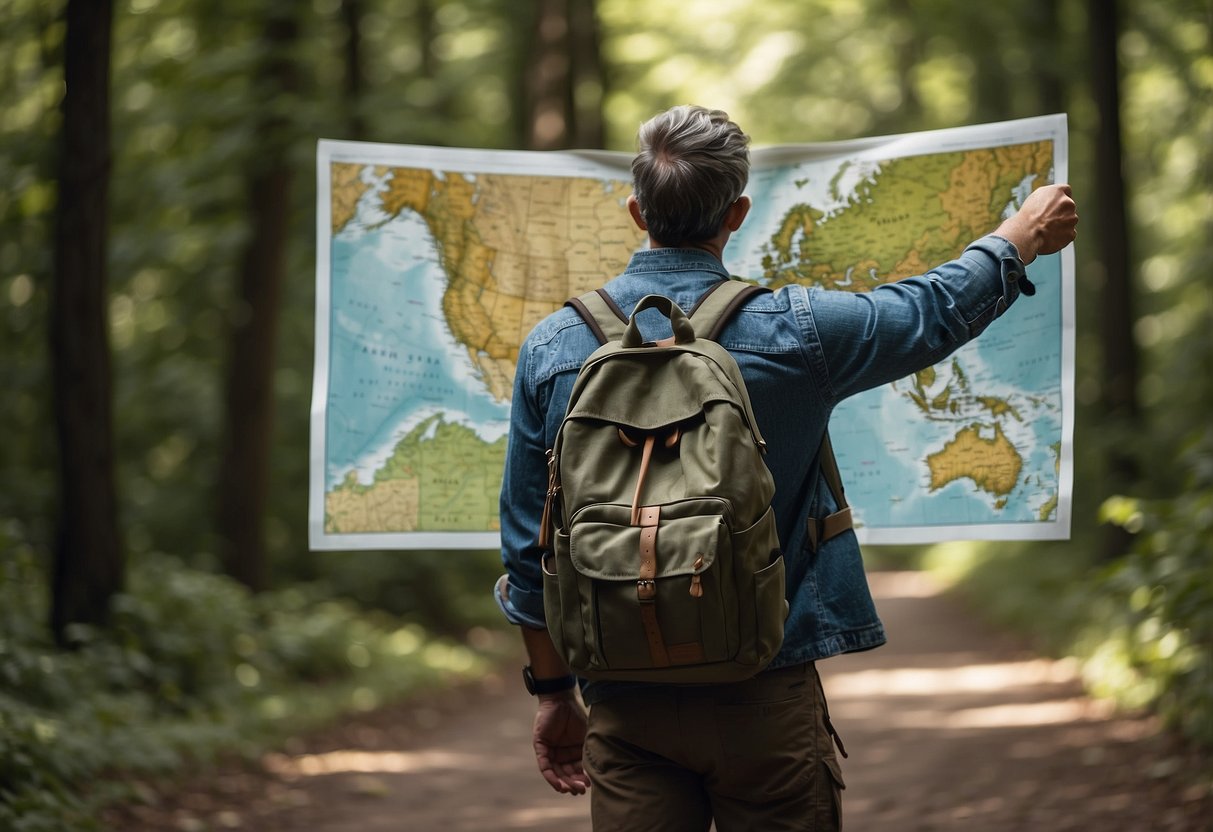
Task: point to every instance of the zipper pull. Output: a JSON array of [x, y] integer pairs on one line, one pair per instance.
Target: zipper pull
[[696, 584]]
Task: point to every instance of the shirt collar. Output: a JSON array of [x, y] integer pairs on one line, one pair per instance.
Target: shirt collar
[[676, 260]]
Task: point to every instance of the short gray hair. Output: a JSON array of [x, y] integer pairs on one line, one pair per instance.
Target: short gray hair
[[692, 164]]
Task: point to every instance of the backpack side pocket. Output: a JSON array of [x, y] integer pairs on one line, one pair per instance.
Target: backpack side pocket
[[760, 591]]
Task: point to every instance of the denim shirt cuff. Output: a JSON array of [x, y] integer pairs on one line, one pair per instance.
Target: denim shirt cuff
[[1014, 273], [521, 607]]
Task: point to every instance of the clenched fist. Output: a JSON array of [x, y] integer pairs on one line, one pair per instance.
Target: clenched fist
[[1046, 222]]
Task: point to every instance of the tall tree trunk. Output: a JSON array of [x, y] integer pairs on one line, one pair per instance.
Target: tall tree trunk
[[563, 81], [89, 566], [992, 93], [587, 78], [907, 55], [549, 85], [249, 395], [1120, 361], [427, 31], [1051, 63], [355, 74]]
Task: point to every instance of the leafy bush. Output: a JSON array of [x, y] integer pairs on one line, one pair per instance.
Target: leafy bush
[[446, 591], [191, 665], [1156, 641]]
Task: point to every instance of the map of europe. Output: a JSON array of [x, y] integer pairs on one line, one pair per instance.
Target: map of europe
[[434, 264]]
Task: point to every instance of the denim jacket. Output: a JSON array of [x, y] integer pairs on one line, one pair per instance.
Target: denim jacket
[[801, 351]]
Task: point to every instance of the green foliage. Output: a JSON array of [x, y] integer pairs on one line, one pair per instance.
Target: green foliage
[[446, 591], [1154, 643], [192, 666]]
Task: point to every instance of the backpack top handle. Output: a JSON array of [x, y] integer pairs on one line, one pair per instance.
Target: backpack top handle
[[684, 333]]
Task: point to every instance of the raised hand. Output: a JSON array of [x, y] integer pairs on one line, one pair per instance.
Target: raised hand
[[1046, 222]]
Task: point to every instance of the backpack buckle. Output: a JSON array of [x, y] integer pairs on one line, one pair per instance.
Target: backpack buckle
[[646, 591]]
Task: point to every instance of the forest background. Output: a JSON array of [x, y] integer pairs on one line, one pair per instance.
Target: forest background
[[158, 603]]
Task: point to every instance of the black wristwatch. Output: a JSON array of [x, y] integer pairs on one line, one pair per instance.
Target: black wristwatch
[[535, 687]]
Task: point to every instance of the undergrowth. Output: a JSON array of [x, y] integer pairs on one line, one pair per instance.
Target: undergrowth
[[192, 666]]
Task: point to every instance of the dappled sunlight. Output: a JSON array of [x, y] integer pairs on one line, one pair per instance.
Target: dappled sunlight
[[1051, 712], [893, 585], [530, 818], [933, 681], [1060, 711], [348, 761], [949, 679]]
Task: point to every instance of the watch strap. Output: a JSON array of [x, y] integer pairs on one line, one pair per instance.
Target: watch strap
[[539, 687]]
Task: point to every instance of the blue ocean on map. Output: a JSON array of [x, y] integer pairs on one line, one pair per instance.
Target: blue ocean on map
[[393, 361]]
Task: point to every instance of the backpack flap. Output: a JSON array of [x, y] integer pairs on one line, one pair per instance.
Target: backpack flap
[[604, 544]]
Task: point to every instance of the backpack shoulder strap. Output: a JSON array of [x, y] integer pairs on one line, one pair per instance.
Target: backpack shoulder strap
[[821, 530], [719, 304], [709, 317], [605, 319]]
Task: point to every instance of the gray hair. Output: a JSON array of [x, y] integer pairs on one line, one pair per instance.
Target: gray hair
[[692, 164]]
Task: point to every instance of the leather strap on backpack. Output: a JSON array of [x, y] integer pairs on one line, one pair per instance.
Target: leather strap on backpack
[[718, 305], [835, 524], [709, 315], [603, 316]]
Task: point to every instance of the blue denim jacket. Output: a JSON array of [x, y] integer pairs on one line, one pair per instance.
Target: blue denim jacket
[[801, 352]]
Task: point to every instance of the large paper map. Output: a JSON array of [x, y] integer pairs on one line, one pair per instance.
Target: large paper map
[[433, 265]]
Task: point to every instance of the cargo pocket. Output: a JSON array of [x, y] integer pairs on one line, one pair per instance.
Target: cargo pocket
[[827, 808]]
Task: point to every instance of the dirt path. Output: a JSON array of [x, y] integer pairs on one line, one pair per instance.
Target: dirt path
[[950, 726]]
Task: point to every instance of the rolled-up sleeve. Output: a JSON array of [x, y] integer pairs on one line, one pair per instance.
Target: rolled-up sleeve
[[519, 592], [871, 338]]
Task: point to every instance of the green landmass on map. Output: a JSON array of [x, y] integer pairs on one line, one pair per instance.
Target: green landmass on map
[[1049, 507], [440, 477], [913, 213]]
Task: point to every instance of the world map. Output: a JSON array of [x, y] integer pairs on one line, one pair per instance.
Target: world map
[[433, 265]]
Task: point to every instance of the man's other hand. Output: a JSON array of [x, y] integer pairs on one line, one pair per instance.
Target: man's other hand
[[1045, 223], [559, 736]]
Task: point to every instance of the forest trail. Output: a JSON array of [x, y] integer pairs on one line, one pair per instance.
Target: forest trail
[[949, 726]]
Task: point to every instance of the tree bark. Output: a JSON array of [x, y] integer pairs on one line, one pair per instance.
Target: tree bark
[[991, 86], [907, 55], [549, 86], [1120, 360], [89, 565], [355, 74], [1051, 63], [563, 80], [249, 393], [588, 78]]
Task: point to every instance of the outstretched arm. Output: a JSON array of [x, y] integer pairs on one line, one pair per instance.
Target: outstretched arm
[[1046, 222], [870, 338]]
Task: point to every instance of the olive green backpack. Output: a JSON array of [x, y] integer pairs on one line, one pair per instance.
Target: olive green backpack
[[662, 558]]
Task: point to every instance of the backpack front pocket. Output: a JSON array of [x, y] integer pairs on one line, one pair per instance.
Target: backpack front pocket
[[654, 590]]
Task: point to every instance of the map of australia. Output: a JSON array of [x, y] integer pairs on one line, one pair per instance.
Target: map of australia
[[434, 265]]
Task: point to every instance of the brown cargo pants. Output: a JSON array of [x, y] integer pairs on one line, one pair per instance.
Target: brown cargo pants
[[755, 756]]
